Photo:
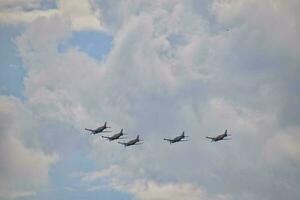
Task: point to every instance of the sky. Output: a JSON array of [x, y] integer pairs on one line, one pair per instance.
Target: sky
[[154, 68]]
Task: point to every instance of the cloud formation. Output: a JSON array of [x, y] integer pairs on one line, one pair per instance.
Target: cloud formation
[[174, 68], [22, 161], [80, 13]]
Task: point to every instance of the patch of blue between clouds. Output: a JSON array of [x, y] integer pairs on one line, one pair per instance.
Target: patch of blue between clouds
[[43, 5], [11, 70], [176, 39], [94, 43], [48, 4], [64, 186], [79, 194]]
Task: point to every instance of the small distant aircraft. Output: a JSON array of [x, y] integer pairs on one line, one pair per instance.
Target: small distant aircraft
[[115, 136], [132, 142], [177, 139], [100, 129], [220, 137]]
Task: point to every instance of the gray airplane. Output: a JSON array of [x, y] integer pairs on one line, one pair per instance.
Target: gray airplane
[[177, 139], [115, 136], [220, 137], [132, 142], [100, 129]]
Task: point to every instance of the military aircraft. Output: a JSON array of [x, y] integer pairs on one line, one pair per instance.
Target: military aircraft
[[132, 142], [115, 136], [220, 137], [100, 129], [177, 139]]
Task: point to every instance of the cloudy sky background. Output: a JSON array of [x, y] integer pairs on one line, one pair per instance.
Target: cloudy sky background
[[154, 68]]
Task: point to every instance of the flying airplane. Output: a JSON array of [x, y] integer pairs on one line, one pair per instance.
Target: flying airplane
[[220, 137], [100, 129], [115, 136], [177, 139], [132, 142]]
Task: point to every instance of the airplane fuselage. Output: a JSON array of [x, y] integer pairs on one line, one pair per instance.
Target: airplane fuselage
[[131, 142], [115, 137], [177, 139], [99, 130], [220, 137]]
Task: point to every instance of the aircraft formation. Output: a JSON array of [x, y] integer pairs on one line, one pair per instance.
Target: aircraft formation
[[138, 141]]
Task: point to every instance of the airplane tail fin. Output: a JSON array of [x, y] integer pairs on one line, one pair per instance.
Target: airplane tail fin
[[121, 131], [225, 132], [183, 134], [138, 137], [105, 125]]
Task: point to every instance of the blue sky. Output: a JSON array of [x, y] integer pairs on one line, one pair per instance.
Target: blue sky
[[96, 44], [155, 69], [12, 71]]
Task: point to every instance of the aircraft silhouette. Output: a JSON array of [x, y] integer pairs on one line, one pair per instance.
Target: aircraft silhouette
[[220, 137], [115, 136], [100, 129], [132, 142], [177, 139]]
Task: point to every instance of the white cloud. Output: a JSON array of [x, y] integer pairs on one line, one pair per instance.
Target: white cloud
[[149, 190], [283, 146], [93, 176], [23, 168], [18, 3], [204, 80], [15, 17], [18, 194], [80, 13], [143, 189]]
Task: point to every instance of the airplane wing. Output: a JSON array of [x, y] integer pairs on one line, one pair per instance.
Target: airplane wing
[[168, 139], [139, 143], [105, 137], [121, 138], [106, 131], [183, 140], [124, 143]]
